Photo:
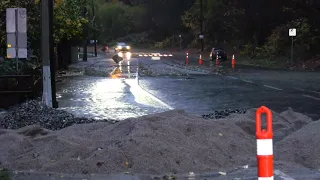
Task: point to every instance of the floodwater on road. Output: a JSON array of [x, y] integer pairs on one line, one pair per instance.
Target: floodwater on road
[[105, 98]]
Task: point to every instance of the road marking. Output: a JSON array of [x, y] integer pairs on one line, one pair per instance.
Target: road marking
[[113, 71], [271, 87], [282, 175], [311, 97], [306, 90], [232, 77], [247, 81]]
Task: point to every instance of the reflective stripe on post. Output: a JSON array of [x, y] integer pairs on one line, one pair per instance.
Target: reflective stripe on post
[[264, 145], [187, 58]]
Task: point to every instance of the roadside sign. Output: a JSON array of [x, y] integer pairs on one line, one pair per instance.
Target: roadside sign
[[201, 36], [92, 41], [16, 28], [11, 53], [292, 32], [180, 35], [12, 20]]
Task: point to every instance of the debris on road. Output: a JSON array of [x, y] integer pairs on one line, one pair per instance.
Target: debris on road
[[169, 142], [223, 113], [34, 112]]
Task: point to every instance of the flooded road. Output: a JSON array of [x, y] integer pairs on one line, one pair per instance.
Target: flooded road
[[120, 96], [115, 97]]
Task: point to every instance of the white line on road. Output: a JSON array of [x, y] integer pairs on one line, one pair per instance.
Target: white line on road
[[150, 95], [271, 87], [232, 77], [306, 90], [113, 71], [282, 175], [311, 97], [247, 81]]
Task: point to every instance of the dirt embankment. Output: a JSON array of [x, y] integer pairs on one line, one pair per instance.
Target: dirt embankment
[[169, 142]]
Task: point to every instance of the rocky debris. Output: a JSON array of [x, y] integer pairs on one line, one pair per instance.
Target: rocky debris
[[223, 113], [170, 142], [34, 112], [302, 146], [283, 124]]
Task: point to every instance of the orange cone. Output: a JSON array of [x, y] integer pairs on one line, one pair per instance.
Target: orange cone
[[217, 61], [200, 60], [233, 62]]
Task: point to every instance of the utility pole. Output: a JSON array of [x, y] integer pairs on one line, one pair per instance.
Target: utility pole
[[201, 23], [85, 43], [52, 56], [45, 53], [94, 33]]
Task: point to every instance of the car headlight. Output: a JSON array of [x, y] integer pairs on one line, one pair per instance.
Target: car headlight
[[128, 47], [119, 47]]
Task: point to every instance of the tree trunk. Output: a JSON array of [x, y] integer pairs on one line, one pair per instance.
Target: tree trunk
[[64, 55]]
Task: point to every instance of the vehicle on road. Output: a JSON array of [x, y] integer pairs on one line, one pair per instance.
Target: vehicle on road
[[222, 55], [122, 47]]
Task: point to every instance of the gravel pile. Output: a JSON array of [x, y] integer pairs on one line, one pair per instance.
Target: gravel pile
[[223, 113], [283, 124], [302, 147], [169, 142], [34, 112]]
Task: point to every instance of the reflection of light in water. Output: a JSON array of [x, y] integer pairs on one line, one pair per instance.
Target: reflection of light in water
[[100, 93], [58, 96], [140, 96], [127, 55], [120, 66]]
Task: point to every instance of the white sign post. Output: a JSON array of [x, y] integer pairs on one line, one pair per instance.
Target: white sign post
[[292, 33]]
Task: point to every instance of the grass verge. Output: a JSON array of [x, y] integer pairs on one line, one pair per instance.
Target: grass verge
[[263, 62], [4, 174]]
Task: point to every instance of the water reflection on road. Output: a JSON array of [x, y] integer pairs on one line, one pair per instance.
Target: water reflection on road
[[116, 97]]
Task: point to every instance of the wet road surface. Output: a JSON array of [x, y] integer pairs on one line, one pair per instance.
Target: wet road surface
[[115, 97], [119, 95]]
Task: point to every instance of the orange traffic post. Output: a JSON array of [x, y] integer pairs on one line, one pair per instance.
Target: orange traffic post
[[217, 61], [233, 61], [187, 58], [200, 60], [264, 145]]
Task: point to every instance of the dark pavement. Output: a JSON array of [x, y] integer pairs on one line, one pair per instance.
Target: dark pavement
[[183, 88]]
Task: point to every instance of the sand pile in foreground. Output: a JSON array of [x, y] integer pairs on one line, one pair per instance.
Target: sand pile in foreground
[[170, 142]]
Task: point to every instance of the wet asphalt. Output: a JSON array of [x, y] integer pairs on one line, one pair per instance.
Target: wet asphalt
[[117, 96]]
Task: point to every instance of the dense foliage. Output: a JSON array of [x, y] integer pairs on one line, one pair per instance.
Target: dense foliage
[[250, 27], [256, 28]]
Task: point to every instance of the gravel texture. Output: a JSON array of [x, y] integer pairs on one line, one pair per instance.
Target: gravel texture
[[35, 113], [173, 142], [302, 147], [169, 142], [223, 113]]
